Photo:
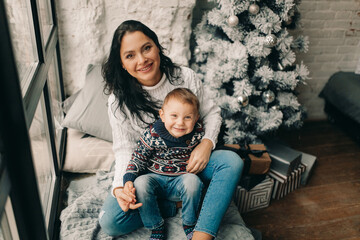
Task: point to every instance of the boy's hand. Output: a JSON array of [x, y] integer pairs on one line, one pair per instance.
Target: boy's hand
[[126, 197], [199, 157]]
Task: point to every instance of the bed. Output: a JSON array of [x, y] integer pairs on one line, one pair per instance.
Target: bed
[[89, 152]]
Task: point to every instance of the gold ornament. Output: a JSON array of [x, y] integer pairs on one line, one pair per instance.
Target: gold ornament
[[270, 40], [243, 100], [288, 22]]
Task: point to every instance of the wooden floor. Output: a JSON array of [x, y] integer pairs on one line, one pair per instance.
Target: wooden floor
[[328, 207]]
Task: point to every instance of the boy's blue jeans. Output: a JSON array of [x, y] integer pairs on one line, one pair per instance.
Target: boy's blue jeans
[[221, 174], [186, 188]]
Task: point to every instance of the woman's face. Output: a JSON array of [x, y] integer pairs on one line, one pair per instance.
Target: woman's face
[[140, 58]]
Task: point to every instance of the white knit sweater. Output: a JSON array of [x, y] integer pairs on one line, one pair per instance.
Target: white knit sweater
[[127, 130]]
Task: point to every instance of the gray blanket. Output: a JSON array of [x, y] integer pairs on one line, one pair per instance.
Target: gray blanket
[[79, 220]]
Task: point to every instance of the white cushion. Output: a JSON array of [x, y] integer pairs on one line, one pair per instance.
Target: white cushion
[[87, 154]]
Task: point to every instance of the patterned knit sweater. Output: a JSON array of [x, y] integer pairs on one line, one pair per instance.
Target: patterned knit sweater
[[159, 152]]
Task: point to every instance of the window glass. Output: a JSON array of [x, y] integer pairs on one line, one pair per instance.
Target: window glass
[[23, 39], [8, 229], [42, 157], [1, 234], [45, 19], [56, 99]]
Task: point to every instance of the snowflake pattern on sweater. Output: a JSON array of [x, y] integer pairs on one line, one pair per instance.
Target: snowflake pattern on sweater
[[159, 152]]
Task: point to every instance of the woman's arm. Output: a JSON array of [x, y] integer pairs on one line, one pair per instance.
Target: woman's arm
[[124, 141]]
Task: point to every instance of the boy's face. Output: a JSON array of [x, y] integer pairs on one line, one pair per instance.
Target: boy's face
[[179, 118]]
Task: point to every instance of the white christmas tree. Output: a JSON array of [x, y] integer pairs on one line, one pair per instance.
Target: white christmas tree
[[245, 56]]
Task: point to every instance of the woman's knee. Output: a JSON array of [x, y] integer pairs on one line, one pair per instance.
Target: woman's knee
[[230, 160], [110, 217], [116, 222], [108, 224]]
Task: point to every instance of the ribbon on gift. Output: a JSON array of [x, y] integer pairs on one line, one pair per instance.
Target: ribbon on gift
[[243, 151]]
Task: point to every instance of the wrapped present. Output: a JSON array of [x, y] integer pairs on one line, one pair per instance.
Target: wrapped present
[[284, 159], [251, 180], [309, 161], [258, 197], [286, 184], [255, 156]]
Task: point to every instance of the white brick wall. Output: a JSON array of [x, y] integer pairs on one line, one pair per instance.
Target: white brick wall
[[86, 28], [333, 27]]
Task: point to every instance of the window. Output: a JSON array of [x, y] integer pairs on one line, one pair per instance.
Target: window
[[56, 100], [42, 157], [31, 139], [45, 19], [23, 40], [8, 230]]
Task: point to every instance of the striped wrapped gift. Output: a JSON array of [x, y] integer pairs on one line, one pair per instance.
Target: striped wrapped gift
[[258, 197], [286, 184]]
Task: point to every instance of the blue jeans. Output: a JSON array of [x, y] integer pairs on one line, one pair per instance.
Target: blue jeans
[[221, 174], [186, 188]]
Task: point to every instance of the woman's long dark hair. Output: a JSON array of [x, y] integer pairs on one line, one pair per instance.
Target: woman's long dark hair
[[125, 87]]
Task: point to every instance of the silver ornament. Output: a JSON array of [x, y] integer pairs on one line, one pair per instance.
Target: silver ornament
[[268, 96], [270, 40], [233, 21], [243, 100], [280, 66], [254, 9], [275, 107], [197, 51]]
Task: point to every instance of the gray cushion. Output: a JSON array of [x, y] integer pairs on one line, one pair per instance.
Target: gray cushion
[[88, 113], [342, 91]]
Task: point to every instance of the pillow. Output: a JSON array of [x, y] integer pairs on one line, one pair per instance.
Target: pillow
[[66, 105], [88, 113], [87, 154]]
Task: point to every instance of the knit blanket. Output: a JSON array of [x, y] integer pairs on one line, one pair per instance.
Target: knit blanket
[[79, 220]]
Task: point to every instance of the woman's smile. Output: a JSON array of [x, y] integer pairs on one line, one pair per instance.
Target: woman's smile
[[147, 68]]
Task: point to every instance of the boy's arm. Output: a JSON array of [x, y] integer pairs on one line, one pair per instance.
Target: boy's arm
[[139, 161]]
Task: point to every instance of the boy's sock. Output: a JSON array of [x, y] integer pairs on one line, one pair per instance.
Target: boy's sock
[[158, 233], [189, 231]]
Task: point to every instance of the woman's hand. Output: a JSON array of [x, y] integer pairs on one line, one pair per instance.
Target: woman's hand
[[199, 157], [126, 197]]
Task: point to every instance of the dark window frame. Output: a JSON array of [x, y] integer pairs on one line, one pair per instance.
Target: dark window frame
[[17, 177]]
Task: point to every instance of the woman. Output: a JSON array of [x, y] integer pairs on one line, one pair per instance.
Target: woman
[[138, 75]]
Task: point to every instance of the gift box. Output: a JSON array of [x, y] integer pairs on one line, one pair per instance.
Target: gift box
[[284, 159], [309, 161], [251, 180], [255, 156], [286, 184], [257, 198]]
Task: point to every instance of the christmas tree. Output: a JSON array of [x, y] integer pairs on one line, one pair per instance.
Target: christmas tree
[[245, 55]]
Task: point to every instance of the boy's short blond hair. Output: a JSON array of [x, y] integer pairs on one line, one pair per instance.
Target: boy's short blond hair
[[184, 95]]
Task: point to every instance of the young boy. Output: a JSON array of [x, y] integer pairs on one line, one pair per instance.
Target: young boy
[[162, 153]]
